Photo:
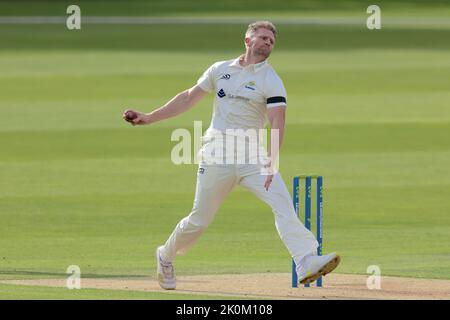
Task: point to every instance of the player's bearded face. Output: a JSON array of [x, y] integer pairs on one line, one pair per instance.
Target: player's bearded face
[[261, 42]]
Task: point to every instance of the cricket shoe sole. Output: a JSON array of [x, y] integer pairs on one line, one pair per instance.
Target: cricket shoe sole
[[319, 268]]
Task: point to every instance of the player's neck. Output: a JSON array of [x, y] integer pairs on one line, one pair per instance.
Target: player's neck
[[248, 59]]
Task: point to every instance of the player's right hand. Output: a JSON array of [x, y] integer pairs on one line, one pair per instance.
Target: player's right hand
[[134, 117]]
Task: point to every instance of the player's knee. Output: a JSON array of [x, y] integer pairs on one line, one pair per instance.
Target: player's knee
[[194, 224], [201, 217]]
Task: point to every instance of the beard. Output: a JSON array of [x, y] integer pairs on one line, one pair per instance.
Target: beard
[[261, 52]]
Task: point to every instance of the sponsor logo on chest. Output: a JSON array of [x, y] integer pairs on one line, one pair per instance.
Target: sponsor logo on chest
[[250, 85], [221, 93]]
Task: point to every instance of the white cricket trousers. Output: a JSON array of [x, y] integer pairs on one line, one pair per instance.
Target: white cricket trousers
[[214, 182]]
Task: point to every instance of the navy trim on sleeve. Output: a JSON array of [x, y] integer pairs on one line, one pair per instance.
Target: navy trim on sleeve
[[276, 100]]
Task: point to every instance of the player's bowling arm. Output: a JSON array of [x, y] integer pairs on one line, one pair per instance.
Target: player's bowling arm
[[182, 102]]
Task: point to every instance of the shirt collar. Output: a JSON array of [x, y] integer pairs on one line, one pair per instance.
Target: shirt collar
[[255, 67]]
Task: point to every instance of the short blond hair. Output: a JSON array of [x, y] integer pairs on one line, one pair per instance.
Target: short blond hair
[[252, 27]]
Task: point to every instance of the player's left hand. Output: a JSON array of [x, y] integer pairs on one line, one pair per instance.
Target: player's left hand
[[268, 182], [269, 172]]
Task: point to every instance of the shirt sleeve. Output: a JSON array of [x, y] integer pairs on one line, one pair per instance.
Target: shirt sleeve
[[275, 91], [207, 80]]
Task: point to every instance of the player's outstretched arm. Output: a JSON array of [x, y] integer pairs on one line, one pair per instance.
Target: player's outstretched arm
[[178, 104]]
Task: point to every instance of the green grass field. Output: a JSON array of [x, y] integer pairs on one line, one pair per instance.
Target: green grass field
[[369, 110], [17, 292]]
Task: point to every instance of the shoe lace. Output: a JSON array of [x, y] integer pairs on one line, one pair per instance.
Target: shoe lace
[[167, 269]]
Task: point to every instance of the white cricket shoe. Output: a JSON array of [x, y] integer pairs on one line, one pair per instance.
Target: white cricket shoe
[[165, 272], [313, 267]]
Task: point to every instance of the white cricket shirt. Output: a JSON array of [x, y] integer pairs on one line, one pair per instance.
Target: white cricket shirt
[[242, 94]]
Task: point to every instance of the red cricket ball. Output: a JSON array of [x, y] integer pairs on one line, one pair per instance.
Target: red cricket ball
[[130, 115]]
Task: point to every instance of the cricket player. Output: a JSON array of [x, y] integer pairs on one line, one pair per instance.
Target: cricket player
[[248, 94]]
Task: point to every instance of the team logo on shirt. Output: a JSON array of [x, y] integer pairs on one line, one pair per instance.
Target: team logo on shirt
[[201, 170], [221, 93], [250, 85], [226, 76]]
